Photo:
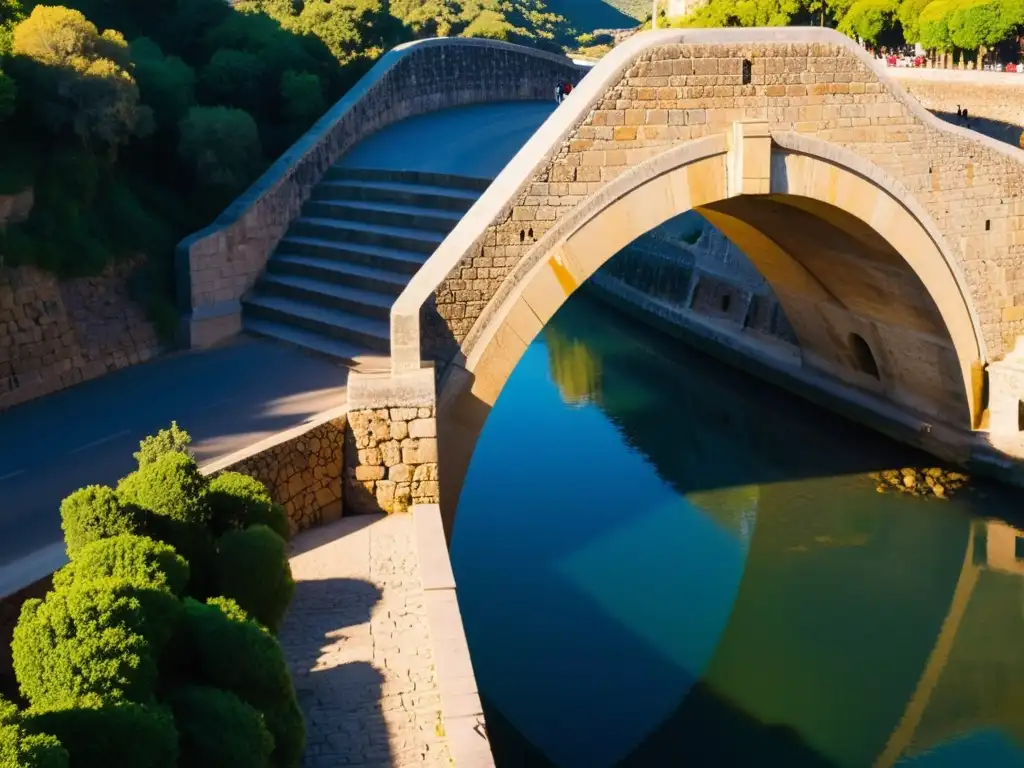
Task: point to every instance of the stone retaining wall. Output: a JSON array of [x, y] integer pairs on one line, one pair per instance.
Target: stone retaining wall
[[994, 100], [302, 473], [54, 334], [217, 265]]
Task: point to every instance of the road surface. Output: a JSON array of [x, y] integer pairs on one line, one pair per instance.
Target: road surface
[[228, 397]]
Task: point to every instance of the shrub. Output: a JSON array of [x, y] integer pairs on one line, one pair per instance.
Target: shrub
[[171, 440], [233, 78], [95, 513], [238, 501], [122, 735], [240, 656], [92, 642], [303, 96], [243, 554], [221, 146], [22, 749], [8, 96], [216, 729], [173, 493], [136, 559]]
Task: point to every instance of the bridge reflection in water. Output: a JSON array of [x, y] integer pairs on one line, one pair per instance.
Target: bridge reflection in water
[[687, 567]]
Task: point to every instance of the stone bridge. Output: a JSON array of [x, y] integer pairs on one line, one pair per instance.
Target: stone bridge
[[892, 239]]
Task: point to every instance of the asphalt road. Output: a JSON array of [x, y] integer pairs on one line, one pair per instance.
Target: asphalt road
[[227, 398]]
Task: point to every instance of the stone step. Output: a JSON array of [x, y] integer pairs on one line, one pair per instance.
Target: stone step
[[340, 272], [351, 355], [424, 178], [347, 231], [309, 290], [335, 323], [384, 259], [387, 214], [392, 192]]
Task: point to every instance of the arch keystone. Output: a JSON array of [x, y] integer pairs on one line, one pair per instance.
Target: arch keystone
[[750, 158]]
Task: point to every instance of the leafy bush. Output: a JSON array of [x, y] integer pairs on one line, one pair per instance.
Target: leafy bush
[[8, 96], [303, 96], [135, 559], [256, 550], [238, 501], [22, 749], [216, 729], [170, 440], [96, 512], [234, 78], [221, 146], [238, 655], [172, 492], [166, 83], [93, 642], [121, 735]]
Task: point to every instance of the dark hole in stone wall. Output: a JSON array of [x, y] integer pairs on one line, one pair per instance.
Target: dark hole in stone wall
[[726, 302], [863, 358]]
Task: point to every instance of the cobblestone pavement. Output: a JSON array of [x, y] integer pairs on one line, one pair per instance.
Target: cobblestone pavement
[[357, 641]]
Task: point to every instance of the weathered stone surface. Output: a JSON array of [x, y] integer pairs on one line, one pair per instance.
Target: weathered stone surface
[[304, 474], [224, 261], [400, 439], [16, 207], [56, 334]]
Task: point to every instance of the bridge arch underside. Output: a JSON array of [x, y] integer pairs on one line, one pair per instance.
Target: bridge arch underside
[[869, 292]]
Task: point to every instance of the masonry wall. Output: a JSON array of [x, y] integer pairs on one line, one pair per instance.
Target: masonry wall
[[55, 334], [219, 264], [994, 100], [674, 93]]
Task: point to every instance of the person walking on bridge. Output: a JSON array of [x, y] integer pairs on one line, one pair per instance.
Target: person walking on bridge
[[559, 86]]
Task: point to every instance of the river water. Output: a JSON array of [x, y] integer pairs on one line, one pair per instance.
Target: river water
[[663, 561]]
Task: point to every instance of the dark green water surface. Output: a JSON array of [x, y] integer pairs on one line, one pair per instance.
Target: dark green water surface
[[663, 561]]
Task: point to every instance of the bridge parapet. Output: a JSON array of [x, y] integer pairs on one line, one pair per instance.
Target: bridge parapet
[[218, 264]]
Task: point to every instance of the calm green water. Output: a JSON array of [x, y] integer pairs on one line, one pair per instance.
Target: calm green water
[[664, 562]]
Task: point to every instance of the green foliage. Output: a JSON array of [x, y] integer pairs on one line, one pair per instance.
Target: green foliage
[[8, 96], [172, 491], [240, 656], [93, 642], [221, 146], [909, 14], [233, 78], [76, 78], [136, 559], [979, 24], [238, 501], [255, 550], [869, 19], [217, 729], [170, 440], [23, 749], [302, 95], [114, 735], [166, 83], [95, 513], [933, 25]]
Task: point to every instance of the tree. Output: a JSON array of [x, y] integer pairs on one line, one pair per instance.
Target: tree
[[933, 26], [976, 25], [167, 85], [351, 29], [11, 12], [221, 145], [233, 78], [909, 15], [303, 96], [76, 77], [868, 20], [8, 96]]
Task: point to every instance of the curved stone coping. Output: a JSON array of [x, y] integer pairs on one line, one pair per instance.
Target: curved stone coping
[[537, 153], [462, 712], [291, 165]]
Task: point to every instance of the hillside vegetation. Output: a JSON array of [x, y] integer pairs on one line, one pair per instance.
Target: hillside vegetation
[[136, 124]]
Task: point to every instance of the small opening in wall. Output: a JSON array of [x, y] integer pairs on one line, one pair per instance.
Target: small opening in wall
[[1020, 415], [747, 71], [726, 302], [1018, 548], [863, 359], [929, 169], [988, 224], [530, 234], [522, 235]]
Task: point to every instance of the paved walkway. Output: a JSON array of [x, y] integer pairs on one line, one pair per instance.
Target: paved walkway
[[357, 641]]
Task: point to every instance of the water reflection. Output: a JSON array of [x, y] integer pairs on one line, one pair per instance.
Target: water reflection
[[690, 567]]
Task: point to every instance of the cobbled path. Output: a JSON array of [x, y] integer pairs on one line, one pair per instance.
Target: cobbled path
[[357, 641]]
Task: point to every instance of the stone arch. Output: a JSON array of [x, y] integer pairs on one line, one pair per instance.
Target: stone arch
[[721, 176]]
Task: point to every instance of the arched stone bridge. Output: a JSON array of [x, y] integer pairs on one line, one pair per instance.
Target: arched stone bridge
[[893, 240]]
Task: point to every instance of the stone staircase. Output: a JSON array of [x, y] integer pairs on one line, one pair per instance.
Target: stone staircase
[[360, 238]]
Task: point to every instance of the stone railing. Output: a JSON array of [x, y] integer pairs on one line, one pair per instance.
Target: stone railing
[[217, 265], [415, 321]]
